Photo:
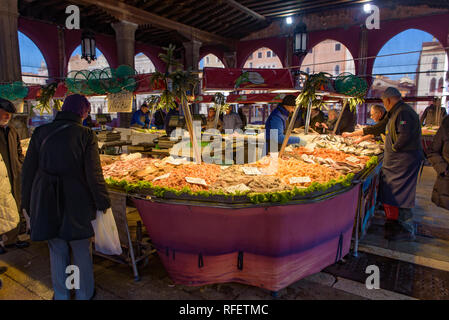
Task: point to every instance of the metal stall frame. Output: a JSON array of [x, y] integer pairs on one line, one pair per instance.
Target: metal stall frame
[[130, 256]]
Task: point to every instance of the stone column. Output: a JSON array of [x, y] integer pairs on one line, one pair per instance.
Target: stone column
[[362, 69], [125, 37], [10, 69], [192, 54]]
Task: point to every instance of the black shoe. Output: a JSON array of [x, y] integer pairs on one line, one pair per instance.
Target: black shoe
[[2, 250], [391, 227], [94, 294], [402, 235], [22, 244]]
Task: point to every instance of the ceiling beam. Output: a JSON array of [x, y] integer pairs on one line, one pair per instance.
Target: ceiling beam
[[123, 11], [246, 10], [321, 5]]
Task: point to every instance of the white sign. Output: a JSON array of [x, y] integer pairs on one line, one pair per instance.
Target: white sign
[[294, 180], [120, 102], [240, 187], [251, 171], [165, 176], [196, 181]]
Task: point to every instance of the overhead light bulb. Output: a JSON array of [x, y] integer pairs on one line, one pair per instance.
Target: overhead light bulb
[[289, 20], [367, 8]]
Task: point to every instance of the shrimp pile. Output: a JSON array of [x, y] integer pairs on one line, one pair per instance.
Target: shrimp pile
[[293, 168], [176, 180]]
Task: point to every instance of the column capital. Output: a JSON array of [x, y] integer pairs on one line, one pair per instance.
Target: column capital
[[125, 32], [230, 59], [192, 53], [9, 7], [124, 29]]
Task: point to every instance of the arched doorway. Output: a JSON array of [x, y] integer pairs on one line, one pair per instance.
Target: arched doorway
[[143, 64], [328, 56], [210, 60], [263, 58], [415, 63], [98, 103], [33, 64], [76, 63]]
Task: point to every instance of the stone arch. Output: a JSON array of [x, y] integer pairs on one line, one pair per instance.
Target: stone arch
[[413, 70], [76, 63], [269, 58], [143, 64], [38, 67], [329, 56], [276, 45], [216, 63]]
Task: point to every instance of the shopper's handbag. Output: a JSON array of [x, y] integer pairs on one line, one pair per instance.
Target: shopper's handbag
[[106, 234]]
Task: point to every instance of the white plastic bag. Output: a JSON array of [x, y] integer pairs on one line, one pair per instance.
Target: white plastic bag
[[106, 234]]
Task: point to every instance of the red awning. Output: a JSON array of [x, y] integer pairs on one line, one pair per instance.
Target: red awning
[[256, 98], [239, 79], [203, 98], [33, 92]]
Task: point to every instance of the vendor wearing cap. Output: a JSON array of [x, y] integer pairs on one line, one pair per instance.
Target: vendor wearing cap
[[141, 117], [277, 123], [11, 160]]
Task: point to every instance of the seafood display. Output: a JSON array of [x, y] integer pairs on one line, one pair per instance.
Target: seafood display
[[300, 168], [347, 145], [330, 158]]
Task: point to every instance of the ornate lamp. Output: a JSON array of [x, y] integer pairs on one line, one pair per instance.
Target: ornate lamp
[[88, 46], [300, 40]]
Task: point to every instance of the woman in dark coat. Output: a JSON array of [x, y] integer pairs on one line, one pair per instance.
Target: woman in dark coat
[[62, 189], [439, 157]]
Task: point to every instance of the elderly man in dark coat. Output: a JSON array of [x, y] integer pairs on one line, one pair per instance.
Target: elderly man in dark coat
[[11, 152], [62, 190], [402, 160]]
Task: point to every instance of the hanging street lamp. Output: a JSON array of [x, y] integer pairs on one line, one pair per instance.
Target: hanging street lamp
[[88, 46], [300, 40]]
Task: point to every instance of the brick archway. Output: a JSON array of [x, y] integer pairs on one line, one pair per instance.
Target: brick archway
[[41, 33], [245, 48]]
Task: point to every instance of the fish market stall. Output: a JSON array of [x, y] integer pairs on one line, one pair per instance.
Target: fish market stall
[[254, 223], [266, 223]]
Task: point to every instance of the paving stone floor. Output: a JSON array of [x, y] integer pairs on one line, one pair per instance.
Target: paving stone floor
[[28, 275]]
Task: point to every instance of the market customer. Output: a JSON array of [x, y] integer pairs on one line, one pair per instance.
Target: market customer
[[402, 161], [141, 118], [348, 121], [434, 114], [210, 120], [171, 113], [232, 121], [277, 123], [439, 158], [329, 125], [63, 188], [11, 159], [379, 115]]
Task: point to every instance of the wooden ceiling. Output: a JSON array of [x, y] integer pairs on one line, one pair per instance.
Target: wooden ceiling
[[173, 21]]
